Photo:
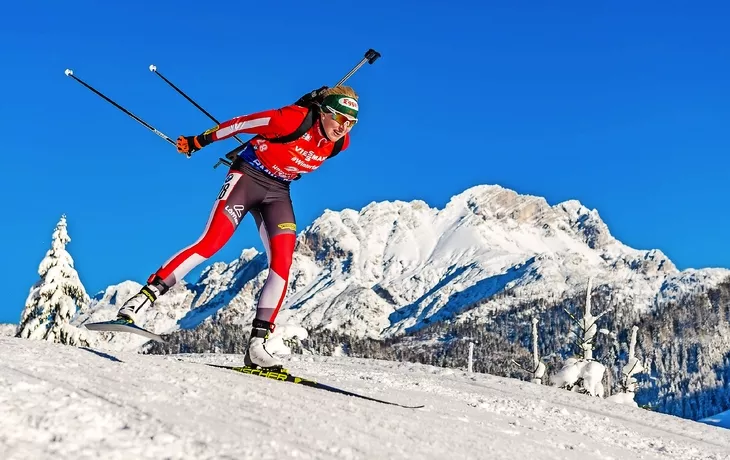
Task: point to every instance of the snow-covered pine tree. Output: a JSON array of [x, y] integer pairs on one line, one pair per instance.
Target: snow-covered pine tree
[[54, 299], [633, 367], [538, 367], [587, 326], [583, 374]]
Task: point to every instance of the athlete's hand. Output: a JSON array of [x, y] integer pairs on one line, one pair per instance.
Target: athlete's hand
[[188, 145]]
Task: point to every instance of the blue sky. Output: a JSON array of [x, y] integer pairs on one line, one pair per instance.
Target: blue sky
[[625, 108]]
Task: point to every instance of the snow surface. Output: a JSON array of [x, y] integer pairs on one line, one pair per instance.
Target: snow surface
[[63, 402], [8, 329]]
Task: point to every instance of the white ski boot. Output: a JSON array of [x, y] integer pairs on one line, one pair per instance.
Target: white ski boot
[[257, 355], [145, 297]]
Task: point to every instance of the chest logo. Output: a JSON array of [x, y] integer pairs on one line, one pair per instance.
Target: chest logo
[[308, 154]]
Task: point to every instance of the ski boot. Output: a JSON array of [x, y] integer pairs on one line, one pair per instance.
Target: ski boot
[[145, 297], [257, 356]]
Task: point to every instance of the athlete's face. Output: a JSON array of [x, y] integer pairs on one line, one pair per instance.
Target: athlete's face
[[335, 124]]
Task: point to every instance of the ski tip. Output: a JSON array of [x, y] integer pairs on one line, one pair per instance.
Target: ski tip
[[153, 68], [119, 325], [69, 72]]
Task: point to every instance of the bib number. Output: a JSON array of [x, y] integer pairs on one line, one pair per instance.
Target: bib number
[[228, 186]]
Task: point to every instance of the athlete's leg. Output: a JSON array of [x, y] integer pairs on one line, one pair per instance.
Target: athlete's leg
[[275, 221], [236, 196], [277, 226]]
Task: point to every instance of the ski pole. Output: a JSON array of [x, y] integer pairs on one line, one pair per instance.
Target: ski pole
[[69, 73], [370, 57], [153, 68]]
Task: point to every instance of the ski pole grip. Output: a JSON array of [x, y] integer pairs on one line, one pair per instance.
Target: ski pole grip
[[371, 55]]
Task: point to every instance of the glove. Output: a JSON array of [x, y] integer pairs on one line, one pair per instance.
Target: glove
[[188, 145]]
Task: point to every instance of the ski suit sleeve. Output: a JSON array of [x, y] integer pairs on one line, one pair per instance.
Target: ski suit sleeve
[[269, 123]]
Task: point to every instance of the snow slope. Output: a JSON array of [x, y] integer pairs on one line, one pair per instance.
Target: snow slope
[[8, 329], [392, 267], [62, 402]]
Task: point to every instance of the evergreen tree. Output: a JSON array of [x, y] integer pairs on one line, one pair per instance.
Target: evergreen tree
[[54, 299], [538, 367], [583, 374]]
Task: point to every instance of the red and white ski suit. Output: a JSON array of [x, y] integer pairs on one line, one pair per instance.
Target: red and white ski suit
[[258, 183]]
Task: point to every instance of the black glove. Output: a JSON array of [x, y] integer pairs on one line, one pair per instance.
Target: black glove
[[188, 145]]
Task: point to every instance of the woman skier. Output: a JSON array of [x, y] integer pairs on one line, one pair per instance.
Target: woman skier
[[258, 183]]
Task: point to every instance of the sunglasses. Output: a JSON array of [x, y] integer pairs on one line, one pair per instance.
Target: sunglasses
[[339, 117]]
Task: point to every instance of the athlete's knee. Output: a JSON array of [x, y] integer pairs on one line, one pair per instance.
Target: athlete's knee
[[282, 253], [210, 244]]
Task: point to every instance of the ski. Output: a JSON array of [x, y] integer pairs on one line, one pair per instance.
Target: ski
[[284, 376], [120, 325]]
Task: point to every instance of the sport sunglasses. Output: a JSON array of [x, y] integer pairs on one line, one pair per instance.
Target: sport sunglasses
[[340, 117]]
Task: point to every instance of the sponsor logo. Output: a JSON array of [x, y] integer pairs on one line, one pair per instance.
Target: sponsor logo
[[288, 226], [302, 164], [348, 102], [268, 374], [308, 154], [212, 130], [288, 172], [307, 137], [236, 213], [232, 213]]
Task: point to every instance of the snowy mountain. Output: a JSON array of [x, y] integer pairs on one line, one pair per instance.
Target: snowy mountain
[[65, 402], [8, 329], [395, 267]]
